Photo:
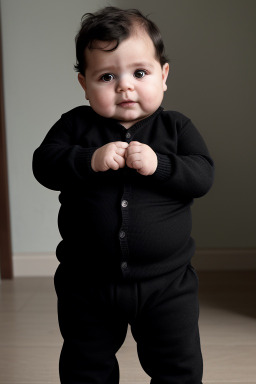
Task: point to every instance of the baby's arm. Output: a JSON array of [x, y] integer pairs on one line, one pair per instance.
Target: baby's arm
[[188, 172], [60, 161]]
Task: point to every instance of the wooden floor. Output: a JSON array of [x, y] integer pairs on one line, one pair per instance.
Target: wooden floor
[[30, 341]]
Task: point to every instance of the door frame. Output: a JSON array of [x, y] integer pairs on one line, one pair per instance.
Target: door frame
[[6, 265]]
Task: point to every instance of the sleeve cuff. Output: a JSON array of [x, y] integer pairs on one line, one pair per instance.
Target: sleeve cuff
[[83, 161], [164, 168]]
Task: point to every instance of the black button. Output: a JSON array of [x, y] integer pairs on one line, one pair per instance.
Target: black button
[[124, 203], [124, 265], [122, 234], [128, 135]]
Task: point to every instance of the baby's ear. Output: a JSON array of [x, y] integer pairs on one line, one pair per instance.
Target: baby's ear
[[165, 72], [82, 82]]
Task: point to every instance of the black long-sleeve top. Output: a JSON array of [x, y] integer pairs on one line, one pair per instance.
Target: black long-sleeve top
[[120, 223]]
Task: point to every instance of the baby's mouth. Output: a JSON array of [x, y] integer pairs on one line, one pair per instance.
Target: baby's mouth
[[126, 103]]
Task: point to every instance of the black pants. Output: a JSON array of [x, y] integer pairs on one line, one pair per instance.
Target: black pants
[[162, 312]]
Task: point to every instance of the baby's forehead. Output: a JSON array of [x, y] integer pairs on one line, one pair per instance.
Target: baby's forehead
[[102, 45], [136, 48], [131, 52]]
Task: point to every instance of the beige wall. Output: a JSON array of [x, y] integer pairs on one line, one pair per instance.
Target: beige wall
[[211, 46]]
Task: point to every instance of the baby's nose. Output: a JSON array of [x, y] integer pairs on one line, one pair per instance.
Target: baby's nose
[[125, 83]]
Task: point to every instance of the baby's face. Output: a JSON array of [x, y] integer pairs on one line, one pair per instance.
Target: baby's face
[[126, 84]]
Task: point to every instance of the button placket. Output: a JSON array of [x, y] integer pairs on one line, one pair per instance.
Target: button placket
[[124, 229], [123, 233]]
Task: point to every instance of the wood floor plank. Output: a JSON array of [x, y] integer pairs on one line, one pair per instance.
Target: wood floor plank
[[30, 341]]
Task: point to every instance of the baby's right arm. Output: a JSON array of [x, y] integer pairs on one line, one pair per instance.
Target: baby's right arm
[[61, 161]]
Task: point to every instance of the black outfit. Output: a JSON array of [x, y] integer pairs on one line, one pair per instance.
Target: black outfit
[[126, 248]]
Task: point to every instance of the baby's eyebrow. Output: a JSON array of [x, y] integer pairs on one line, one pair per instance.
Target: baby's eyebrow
[[99, 71], [141, 64]]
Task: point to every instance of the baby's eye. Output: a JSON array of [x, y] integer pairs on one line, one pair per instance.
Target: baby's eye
[[140, 73], [107, 77]]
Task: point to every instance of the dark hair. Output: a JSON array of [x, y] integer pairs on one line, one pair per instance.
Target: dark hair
[[114, 24]]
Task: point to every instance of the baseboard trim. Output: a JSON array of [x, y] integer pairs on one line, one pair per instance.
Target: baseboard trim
[[34, 264], [226, 259], [45, 264]]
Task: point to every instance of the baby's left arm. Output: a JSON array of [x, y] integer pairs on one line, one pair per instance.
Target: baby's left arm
[[187, 172]]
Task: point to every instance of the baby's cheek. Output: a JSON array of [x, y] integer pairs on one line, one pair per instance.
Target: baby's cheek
[[151, 102], [102, 105]]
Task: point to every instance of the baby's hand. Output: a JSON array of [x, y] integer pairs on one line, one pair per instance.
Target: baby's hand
[[141, 157], [110, 156]]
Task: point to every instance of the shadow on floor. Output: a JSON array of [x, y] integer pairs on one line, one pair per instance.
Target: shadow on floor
[[233, 291]]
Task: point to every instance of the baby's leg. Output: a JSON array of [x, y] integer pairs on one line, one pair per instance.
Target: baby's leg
[[92, 335], [167, 330]]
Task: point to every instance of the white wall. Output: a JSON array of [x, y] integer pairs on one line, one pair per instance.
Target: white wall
[[211, 45]]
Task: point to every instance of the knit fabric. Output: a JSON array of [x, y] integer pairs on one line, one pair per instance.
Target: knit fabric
[[120, 223]]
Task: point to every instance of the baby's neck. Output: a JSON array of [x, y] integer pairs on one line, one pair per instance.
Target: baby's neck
[[129, 124]]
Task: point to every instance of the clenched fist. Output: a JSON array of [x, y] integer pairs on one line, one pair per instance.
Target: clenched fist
[[110, 156], [141, 157]]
